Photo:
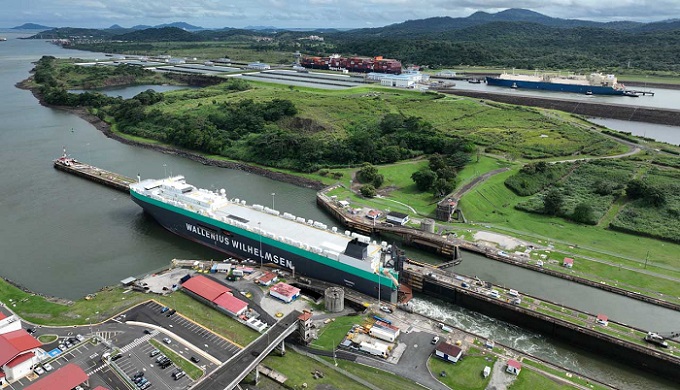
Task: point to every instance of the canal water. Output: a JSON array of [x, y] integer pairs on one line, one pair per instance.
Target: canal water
[[64, 236], [663, 133]]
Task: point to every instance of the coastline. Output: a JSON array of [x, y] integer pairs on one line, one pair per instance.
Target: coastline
[[105, 128]]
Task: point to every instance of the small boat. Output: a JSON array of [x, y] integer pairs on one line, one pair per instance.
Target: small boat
[[589, 93], [474, 81], [2, 39], [631, 94], [514, 86]]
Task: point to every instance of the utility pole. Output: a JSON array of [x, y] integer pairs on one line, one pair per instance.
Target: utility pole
[[646, 259]]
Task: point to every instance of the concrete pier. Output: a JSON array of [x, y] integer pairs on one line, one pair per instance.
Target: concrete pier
[[97, 175]]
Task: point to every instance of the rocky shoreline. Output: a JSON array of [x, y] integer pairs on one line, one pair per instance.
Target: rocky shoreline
[[106, 129]]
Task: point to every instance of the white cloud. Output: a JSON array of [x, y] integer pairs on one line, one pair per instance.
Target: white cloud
[[310, 13]]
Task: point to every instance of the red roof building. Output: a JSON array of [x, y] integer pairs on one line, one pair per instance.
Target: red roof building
[[20, 359], [305, 316], [267, 279], [568, 262], [514, 367], [231, 304], [205, 287], [284, 292], [65, 378], [2, 316], [15, 343], [602, 319]]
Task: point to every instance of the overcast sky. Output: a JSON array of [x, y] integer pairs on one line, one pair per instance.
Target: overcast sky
[[309, 13]]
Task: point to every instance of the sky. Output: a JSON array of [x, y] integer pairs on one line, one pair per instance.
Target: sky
[[309, 13]]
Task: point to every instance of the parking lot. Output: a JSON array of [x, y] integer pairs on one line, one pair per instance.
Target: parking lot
[[139, 363], [199, 340]]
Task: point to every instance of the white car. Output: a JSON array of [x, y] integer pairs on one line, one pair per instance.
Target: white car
[[494, 294], [48, 367], [80, 337], [166, 340], [39, 370]]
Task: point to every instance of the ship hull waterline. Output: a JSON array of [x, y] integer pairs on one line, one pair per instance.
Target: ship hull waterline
[[241, 247]]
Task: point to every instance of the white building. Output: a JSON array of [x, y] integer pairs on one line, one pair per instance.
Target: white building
[[448, 352], [9, 324], [284, 292], [397, 218], [19, 352], [258, 66], [408, 79], [514, 367]]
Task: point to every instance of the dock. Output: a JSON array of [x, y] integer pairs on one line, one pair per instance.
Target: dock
[[92, 173]]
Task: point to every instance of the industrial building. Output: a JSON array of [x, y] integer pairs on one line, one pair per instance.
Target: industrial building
[[397, 218], [214, 294], [284, 292]]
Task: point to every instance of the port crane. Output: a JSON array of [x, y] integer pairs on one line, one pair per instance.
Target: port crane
[[660, 338]]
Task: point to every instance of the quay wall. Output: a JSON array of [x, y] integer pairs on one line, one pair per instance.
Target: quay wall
[[623, 351], [106, 178], [613, 111]]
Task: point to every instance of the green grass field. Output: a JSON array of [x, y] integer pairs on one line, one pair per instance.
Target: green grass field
[[530, 380], [299, 369], [334, 332], [382, 379], [464, 375]]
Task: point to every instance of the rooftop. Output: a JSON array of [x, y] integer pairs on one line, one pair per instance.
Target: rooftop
[[65, 378], [285, 289], [15, 343], [230, 303], [449, 349], [205, 287], [515, 364]]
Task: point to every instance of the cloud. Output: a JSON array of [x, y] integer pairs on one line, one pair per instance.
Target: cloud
[[310, 13]]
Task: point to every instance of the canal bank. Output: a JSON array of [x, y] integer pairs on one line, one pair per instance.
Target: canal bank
[[604, 110]]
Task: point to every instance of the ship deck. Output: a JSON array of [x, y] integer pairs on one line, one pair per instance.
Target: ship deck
[[282, 227]]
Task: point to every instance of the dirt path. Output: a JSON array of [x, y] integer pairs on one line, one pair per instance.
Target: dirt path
[[500, 380], [467, 187]]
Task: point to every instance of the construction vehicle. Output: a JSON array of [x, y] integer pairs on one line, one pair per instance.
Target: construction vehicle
[[660, 338]]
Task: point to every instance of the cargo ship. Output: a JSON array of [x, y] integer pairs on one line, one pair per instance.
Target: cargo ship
[[353, 64], [266, 236], [593, 84]]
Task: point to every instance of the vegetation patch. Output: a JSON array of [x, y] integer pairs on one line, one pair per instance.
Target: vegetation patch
[[530, 380], [300, 369], [655, 207], [584, 195], [464, 375], [189, 368]]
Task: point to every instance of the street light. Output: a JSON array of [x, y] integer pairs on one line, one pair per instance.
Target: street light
[[260, 235], [273, 194]]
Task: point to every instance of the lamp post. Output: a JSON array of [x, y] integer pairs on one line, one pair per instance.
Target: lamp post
[[260, 235], [273, 195]]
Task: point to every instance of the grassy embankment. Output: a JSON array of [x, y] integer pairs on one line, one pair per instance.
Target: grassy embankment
[[492, 204], [531, 380]]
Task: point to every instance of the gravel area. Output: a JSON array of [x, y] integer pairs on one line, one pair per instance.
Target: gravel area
[[500, 380]]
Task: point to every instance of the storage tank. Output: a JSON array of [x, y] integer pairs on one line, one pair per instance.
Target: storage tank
[[427, 225], [334, 299]]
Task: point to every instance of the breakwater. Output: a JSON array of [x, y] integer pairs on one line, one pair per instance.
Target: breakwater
[[613, 111]]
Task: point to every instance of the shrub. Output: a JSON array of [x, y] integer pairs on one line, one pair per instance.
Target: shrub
[[368, 191]]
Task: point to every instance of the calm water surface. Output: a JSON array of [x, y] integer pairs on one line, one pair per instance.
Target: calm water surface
[[64, 236]]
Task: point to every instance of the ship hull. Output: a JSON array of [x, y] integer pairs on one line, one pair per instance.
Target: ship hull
[[229, 240], [542, 86]]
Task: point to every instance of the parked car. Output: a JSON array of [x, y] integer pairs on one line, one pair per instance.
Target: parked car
[[195, 359], [386, 309], [167, 340], [48, 367], [146, 331], [178, 374], [39, 370], [80, 337], [164, 309], [435, 339], [494, 294], [154, 352], [171, 312], [30, 330]]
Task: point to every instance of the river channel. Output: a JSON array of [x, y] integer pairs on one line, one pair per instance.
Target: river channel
[[64, 236]]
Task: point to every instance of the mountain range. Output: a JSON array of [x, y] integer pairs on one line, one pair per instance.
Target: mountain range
[[425, 26]]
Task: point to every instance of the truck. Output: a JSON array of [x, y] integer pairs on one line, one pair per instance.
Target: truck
[[382, 334], [376, 349]]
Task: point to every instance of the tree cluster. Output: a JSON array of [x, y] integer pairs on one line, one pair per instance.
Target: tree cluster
[[440, 175]]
